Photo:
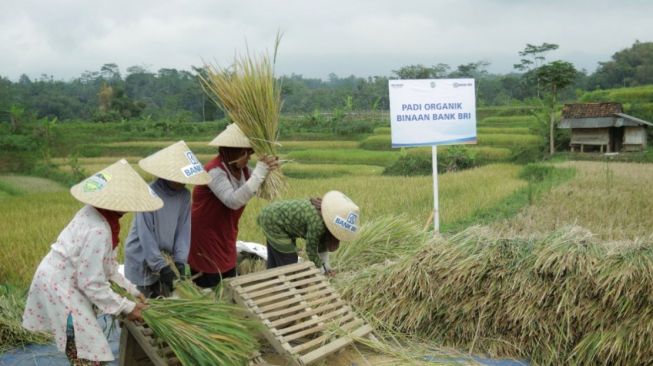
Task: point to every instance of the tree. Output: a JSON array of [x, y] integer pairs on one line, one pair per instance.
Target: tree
[[629, 67], [533, 57], [422, 72], [554, 77]]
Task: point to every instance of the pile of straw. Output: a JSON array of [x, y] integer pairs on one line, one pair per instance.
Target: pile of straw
[[251, 96], [561, 298], [12, 333], [201, 329], [385, 239]]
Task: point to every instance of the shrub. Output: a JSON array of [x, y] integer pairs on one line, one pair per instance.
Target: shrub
[[536, 172], [508, 121], [409, 165], [377, 142], [382, 131], [419, 162]]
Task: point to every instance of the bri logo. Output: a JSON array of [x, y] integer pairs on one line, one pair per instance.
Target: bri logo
[[352, 218]]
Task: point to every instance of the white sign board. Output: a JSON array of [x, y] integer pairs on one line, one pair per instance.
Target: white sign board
[[432, 112]]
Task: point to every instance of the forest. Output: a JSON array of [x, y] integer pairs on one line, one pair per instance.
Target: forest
[[173, 95]]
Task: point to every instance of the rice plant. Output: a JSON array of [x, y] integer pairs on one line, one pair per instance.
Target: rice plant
[[250, 95], [201, 329], [12, 333]]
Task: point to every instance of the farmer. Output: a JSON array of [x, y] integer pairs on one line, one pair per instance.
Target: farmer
[[74, 276], [323, 223], [217, 206], [166, 231]]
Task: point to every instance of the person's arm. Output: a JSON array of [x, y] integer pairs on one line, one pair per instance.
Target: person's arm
[[237, 198], [314, 234], [145, 230], [91, 280], [181, 245], [120, 280]]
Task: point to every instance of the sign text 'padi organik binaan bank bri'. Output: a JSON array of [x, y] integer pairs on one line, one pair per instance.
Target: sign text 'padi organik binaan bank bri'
[[432, 112]]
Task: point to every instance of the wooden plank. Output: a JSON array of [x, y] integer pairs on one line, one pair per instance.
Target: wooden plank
[[324, 318], [319, 340], [340, 321], [300, 307], [284, 294], [308, 296], [136, 332], [281, 347], [257, 276], [276, 280], [281, 287], [322, 352], [306, 314]]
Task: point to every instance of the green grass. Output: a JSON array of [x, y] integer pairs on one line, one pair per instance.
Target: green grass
[[22, 246], [512, 204], [287, 146], [20, 184], [377, 142], [631, 95], [508, 121], [509, 140], [313, 171], [344, 156], [503, 130], [483, 154]]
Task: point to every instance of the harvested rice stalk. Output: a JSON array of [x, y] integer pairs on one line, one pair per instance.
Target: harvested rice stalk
[[251, 265], [384, 239], [201, 330], [12, 333], [560, 298], [249, 93]]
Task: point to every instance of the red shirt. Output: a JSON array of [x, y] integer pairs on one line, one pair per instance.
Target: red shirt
[[214, 228]]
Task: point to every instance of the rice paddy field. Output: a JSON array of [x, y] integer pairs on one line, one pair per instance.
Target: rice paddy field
[[553, 270]]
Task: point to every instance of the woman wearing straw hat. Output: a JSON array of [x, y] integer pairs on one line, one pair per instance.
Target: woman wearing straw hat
[[166, 231], [322, 222], [217, 207], [74, 276]]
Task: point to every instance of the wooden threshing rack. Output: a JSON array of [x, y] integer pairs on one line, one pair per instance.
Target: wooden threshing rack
[[304, 317], [140, 347]]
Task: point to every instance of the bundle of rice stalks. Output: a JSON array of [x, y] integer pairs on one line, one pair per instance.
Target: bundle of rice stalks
[[12, 333], [385, 239], [251, 265], [562, 298], [250, 95], [202, 330]]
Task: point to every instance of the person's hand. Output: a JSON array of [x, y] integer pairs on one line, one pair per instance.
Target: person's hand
[[166, 276], [330, 273], [271, 161], [136, 314], [141, 298], [181, 268]]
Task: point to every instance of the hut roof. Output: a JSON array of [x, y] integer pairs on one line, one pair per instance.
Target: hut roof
[[597, 115], [591, 110]]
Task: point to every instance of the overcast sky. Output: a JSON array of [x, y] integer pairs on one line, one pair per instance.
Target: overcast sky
[[63, 38]]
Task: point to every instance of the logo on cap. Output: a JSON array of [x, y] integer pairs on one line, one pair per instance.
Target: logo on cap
[[96, 182]]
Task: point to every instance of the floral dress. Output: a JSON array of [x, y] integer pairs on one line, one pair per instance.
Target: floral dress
[[72, 278]]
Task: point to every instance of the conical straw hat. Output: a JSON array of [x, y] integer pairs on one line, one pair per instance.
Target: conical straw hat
[[341, 215], [176, 163], [118, 188], [232, 136]]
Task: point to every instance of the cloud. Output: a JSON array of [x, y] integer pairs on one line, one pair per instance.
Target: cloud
[[66, 37]]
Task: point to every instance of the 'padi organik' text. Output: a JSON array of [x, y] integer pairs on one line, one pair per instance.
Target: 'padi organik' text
[[445, 115]]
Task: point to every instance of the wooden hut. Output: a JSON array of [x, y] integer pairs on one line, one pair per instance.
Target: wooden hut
[[603, 127]]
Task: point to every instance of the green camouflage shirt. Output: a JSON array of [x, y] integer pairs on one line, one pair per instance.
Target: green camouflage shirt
[[283, 222]]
